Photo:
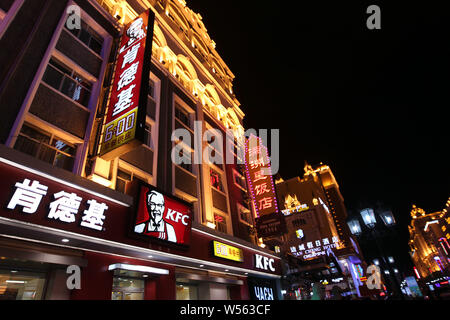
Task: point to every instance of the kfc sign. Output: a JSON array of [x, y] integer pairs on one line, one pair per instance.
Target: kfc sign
[[264, 263], [125, 119], [162, 217]]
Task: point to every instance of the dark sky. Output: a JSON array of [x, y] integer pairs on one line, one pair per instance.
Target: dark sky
[[372, 104]]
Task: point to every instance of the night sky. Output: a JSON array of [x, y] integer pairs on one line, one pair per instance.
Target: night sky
[[372, 104]]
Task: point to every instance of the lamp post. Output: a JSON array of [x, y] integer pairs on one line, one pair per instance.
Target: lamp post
[[369, 218]]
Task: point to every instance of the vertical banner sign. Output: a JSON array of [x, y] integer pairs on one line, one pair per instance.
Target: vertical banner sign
[[269, 221], [261, 186], [125, 119]]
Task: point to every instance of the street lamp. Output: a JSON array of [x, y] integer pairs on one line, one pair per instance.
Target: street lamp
[[388, 218], [355, 227], [368, 217]]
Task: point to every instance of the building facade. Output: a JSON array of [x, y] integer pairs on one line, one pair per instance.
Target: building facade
[[429, 244], [55, 85], [328, 258]]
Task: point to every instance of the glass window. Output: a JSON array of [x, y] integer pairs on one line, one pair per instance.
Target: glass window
[[189, 154], [89, 37], [68, 82], [245, 214], [216, 181], [21, 285], [151, 88], [187, 291], [148, 136], [182, 116], [127, 289], [221, 223], [46, 147], [240, 180]]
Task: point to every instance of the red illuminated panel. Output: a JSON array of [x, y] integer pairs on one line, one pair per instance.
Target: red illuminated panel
[[125, 117], [261, 186], [163, 217]]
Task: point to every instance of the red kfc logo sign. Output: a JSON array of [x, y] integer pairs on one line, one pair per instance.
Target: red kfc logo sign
[[163, 217]]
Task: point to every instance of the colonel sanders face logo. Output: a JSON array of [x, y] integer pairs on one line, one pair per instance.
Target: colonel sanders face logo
[[155, 206], [136, 31]]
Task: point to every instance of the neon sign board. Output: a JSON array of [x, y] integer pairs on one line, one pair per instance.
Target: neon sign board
[[261, 186], [125, 118]]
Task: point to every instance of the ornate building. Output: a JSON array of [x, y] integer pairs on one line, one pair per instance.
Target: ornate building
[[429, 243]]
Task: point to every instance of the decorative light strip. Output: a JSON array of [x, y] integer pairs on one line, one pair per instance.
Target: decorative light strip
[[130, 267]]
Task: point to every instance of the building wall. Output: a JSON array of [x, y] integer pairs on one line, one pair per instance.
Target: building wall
[[33, 41]]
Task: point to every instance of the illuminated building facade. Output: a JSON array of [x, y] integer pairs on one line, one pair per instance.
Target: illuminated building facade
[[54, 127], [429, 243], [317, 235]]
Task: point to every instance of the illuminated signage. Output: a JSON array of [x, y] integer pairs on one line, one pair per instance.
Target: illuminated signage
[[264, 263], [125, 118], [65, 206], [261, 186], [162, 217], [262, 289], [313, 249], [300, 208], [263, 293], [228, 252]]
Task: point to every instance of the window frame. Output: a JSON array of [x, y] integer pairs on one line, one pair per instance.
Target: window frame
[[52, 136], [177, 101], [239, 206]]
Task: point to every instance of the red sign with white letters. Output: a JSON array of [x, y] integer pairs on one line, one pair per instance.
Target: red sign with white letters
[[163, 217], [125, 118]]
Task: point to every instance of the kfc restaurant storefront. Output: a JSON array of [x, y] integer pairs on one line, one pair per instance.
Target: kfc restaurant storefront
[[145, 249]]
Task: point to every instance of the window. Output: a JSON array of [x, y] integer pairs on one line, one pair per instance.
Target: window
[[182, 116], [187, 165], [187, 291], [148, 136], [216, 180], [215, 146], [89, 37], [221, 223], [151, 89], [127, 288], [124, 179], [239, 180], [46, 147], [68, 82], [245, 214], [22, 279]]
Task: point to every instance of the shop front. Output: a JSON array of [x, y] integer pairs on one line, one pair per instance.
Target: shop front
[[127, 248]]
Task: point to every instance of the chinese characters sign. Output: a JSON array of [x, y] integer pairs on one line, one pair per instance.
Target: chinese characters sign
[[64, 207], [225, 251], [162, 217], [261, 185], [125, 118], [313, 249]]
